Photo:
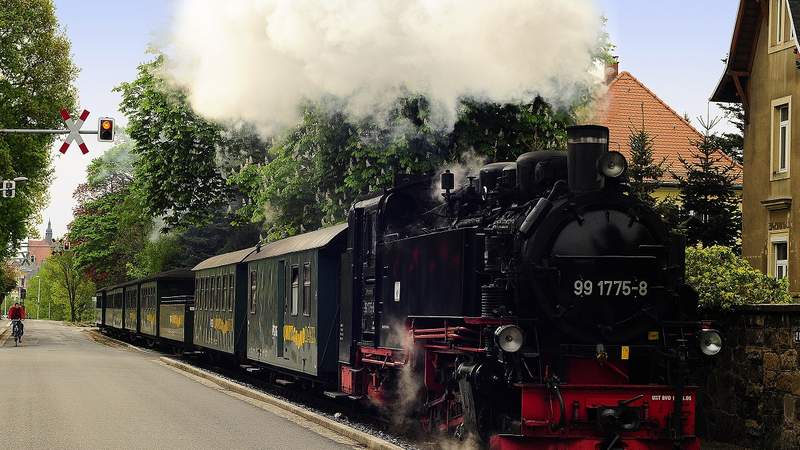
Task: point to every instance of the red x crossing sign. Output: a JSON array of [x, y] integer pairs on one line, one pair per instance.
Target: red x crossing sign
[[74, 127]]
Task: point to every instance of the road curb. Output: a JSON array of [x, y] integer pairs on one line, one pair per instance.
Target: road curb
[[358, 436]]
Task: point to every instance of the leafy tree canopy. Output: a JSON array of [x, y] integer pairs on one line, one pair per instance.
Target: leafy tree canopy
[[36, 75], [175, 150], [724, 280], [8, 278], [111, 222], [64, 280]]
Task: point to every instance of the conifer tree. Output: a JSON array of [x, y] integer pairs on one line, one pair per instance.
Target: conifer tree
[[710, 203], [643, 172]]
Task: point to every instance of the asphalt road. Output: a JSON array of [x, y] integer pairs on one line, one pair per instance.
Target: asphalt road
[[62, 389]]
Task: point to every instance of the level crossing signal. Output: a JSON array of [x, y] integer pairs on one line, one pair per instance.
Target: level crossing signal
[[105, 129]]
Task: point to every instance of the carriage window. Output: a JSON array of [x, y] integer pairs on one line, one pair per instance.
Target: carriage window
[[231, 292], [295, 289], [306, 288], [224, 296], [220, 292], [206, 283], [253, 286], [212, 293]]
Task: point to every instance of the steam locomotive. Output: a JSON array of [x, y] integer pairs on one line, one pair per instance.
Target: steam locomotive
[[537, 305]]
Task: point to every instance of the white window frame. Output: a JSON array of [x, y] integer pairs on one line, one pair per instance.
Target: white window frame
[[774, 263], [776, 171], [779, 17], [784, 132]]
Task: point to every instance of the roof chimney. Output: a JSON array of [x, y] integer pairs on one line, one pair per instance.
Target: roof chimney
[[612, 70]]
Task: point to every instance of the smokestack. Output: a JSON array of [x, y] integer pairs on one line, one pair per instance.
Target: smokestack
[[586, 144], [612, 70]]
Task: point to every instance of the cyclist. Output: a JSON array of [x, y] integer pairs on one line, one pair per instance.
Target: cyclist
[[16, 314]]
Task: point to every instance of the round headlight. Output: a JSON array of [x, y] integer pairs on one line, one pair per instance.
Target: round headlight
[[710, 342], [509, 338], [613, 164]]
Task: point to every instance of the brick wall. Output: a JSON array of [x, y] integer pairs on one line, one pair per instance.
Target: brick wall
[[751, 391]]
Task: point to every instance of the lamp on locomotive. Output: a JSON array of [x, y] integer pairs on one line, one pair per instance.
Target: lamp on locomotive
[[105, 129]]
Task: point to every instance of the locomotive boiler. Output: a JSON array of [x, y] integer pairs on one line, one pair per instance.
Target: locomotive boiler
[[538, 305]]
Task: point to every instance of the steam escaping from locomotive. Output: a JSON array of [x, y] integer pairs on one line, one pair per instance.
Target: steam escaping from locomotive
[[259, 60]]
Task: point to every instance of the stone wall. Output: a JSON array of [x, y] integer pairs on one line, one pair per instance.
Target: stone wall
[[750, 392]]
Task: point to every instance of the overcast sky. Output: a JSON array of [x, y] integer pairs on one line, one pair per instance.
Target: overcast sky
[[673, 47]]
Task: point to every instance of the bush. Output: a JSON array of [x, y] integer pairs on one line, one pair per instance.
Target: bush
[[724, 280]]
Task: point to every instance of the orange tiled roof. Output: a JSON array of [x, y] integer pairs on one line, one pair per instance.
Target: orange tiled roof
[[672, 135]]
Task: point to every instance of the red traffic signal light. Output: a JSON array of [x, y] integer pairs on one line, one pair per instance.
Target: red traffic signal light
[[105, 130]]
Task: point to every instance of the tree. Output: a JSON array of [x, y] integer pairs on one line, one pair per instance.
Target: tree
[[71, 288], [317, 169], [110, 224], [176, 150], [724, 280], [502, 132], [8, 278], [36, 76], [732, 144], [710, 204], [643, 173]]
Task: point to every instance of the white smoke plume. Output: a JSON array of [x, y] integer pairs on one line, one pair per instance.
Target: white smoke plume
[[259, 60]]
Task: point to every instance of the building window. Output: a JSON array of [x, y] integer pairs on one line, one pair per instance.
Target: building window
[[253, 286], [780, 250], [306, 289], [781, 147], [783, 137], [778, 20], [295, 289]]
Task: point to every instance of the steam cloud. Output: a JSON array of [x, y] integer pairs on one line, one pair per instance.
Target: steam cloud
[[259, 60]]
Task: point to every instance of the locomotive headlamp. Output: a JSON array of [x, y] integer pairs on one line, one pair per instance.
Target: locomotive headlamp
[[710, 342], [612, 164], [509, 338]]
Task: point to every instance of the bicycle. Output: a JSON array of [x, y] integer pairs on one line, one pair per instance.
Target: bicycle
[[17, 331]]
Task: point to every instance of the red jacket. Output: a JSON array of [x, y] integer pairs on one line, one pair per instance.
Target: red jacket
[[16, 312]]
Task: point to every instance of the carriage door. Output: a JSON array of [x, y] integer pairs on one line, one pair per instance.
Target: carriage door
[[280, 306]]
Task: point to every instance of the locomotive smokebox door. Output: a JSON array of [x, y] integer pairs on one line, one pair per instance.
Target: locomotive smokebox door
[[586, 144]]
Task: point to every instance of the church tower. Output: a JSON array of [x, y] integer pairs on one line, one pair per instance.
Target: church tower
[[48, 234]]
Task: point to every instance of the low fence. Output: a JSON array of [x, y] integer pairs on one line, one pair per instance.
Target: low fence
[[750, 393]]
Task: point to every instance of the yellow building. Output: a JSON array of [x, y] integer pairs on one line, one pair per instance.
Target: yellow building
[[762, 74]]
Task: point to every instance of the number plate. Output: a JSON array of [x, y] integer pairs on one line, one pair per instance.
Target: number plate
[[610, 288]]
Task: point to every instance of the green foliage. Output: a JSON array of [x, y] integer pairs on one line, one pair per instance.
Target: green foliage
[[111, 223], [156, 255], [176, 150], [710, 204], [732, 144], [8, 278], [724, 280], [317, 169], [64, 288], [502, 132], [643, 172], [36, 76]]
